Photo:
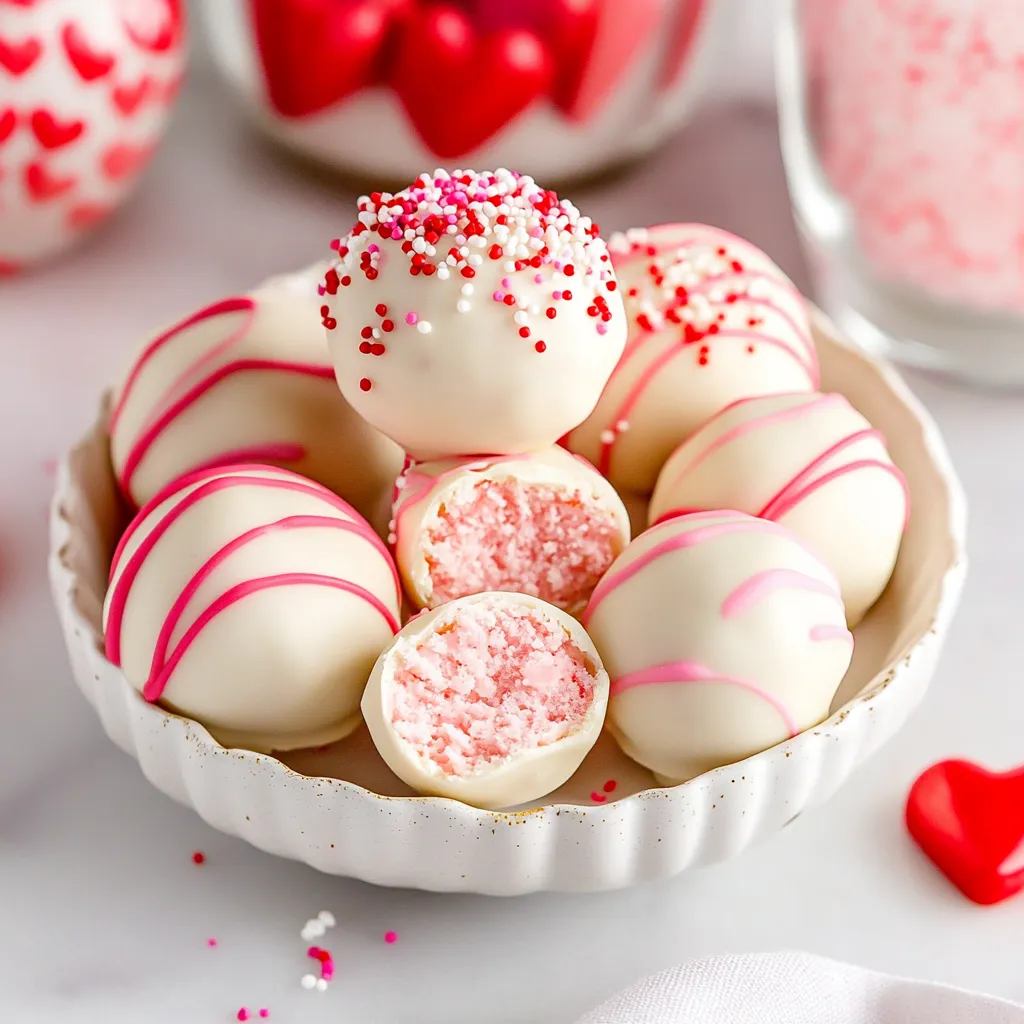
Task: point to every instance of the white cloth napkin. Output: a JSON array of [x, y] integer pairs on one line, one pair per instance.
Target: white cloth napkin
[[794, 988]]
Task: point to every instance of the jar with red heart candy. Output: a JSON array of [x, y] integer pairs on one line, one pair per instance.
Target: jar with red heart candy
[[383, 88], [85, 89]]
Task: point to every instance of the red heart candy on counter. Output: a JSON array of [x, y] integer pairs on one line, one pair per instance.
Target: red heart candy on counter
[[317, 52], [970, 822], [460, 87]]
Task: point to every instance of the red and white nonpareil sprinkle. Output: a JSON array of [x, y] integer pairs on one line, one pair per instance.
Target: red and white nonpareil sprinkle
[[449, 225]]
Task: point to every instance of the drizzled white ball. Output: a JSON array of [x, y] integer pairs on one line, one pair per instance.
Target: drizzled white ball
[[473, 313]]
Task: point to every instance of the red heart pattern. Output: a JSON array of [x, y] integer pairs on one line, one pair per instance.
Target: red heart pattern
[[316, 53], [153, 25], [85, 215], [489, 80], [89, 63], [17, 58], [122, 160], [53, 134], [43, 186], [8, 122], [128, 98], [970, 822]]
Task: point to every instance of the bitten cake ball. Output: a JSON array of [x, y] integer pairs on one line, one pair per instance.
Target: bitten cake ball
[[493, 700], [711, 320], [247, 379], [473, 313], [254, 601], [723, 635], [546, 524], [810, 462]]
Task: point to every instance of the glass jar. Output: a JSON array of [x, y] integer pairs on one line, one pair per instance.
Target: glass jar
[[902, 128], [385, 89]]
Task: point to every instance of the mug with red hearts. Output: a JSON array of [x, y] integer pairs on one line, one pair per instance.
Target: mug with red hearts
[[85, 89], [386, 88]]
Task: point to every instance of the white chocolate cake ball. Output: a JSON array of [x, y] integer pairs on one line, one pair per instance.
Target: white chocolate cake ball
[[546, 524], [473, 313], [247, 379], [711, 320], [254, 601], [494, 700], [810, 462], [723, 635]]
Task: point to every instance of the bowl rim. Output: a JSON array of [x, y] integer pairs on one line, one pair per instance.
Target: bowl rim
[[64, 582]]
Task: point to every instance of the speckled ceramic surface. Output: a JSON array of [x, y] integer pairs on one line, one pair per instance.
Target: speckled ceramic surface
[[340, 810]]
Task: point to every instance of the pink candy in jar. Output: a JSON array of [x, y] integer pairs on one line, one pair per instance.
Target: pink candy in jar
[[85, 90], [903, 131]]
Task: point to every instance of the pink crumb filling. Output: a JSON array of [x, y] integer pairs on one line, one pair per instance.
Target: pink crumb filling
[[489, 683], [530, 539]]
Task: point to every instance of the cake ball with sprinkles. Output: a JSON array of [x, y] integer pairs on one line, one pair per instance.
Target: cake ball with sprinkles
[[472, 313]]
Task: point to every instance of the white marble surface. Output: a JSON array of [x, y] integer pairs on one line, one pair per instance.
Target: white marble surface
[[103, 917]]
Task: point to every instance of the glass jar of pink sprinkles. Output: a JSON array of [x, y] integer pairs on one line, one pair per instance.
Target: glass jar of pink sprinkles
[[902, 126]]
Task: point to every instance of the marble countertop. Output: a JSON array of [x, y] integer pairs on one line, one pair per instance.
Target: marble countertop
[[104, 918]]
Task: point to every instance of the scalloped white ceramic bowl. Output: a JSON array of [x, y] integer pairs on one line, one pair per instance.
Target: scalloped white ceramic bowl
[[340, 810]]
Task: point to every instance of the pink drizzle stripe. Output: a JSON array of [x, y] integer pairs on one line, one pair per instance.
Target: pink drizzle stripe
[[149, 435], [682, 672], [219, 557], [156, 685], [123, 585], [763, 584], [676, 542], [810, 404], [186, 480], [272, 451], [830, 632]]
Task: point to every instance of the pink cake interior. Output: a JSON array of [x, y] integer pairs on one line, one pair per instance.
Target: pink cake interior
[[530, 539], [489, 683]]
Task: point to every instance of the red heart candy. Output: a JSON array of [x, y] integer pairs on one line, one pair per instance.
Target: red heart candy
[[128, 98], [606, 49], [17, 58], [51, 133], [89, 63], [123, 160], [688, 18], [970, 822], [569, 27], [154, 25], [316, 53], [8, 122], [42, 186], [458, 89]]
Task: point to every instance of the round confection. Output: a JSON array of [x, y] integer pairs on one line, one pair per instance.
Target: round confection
[[810, 462], [546, 524], [255, 602], [494, 700], [711, 320], [473, 313], [723, 635], [247, 379]]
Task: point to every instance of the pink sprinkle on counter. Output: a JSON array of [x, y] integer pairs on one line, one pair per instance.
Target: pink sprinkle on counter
[[391, 937]]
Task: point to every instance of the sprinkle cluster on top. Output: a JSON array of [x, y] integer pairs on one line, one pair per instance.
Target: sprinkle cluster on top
[[450, 223], [684, 284]]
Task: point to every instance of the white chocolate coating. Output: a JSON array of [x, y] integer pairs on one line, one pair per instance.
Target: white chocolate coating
[[486, 322], [254, 601], [247, 379], [810, 462], [723, 635], [424, 489], [711, 320], [523, 776]]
